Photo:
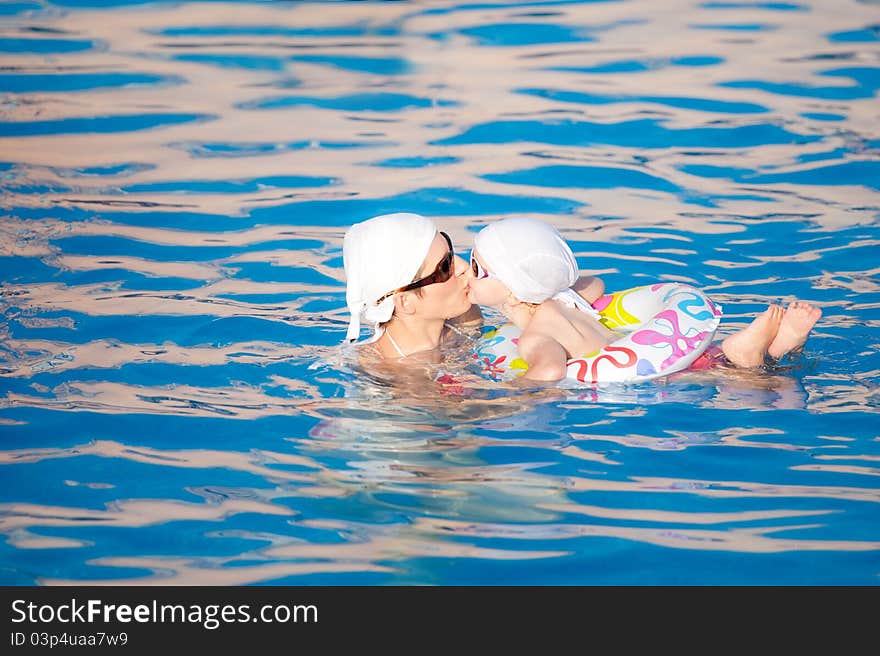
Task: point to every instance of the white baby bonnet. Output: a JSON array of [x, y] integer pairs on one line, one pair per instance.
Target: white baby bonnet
[[528, 256]]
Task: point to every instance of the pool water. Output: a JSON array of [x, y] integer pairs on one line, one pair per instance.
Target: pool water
[[176, 181]]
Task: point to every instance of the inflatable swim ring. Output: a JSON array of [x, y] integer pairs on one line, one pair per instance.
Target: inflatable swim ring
[[663, 328]]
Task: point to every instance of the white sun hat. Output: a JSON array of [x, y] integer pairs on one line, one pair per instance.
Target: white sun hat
[[379, 255]]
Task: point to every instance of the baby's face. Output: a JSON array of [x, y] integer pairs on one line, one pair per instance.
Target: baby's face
[[484, 288]]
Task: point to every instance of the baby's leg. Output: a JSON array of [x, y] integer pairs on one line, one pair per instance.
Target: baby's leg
[[747, 347], [796, 325]]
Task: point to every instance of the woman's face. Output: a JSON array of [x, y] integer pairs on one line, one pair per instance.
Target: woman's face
[[484, 288], [443, 300]]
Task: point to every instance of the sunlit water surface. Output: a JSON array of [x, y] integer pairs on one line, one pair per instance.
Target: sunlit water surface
[[176, 182]]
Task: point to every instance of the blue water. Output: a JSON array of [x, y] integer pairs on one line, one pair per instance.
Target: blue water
[[176, 181]]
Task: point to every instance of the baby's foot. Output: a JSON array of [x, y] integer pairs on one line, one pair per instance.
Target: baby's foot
[[796, 325], [748, 347]]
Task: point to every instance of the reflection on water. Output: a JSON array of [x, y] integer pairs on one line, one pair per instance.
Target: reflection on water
[[175, 183]]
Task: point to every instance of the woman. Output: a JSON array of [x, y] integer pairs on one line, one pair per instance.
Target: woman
[[404, 280]]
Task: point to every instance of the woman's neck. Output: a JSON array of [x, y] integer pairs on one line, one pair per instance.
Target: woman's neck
[[403, 338]]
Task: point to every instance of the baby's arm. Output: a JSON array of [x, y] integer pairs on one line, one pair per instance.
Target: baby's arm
[[545, 356], [590, 287]]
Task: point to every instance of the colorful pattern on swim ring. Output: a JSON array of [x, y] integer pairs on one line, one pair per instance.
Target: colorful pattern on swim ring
[[663, 328]]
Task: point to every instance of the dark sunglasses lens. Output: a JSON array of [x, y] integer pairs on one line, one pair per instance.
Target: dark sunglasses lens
[[444, 268], [442, 272], [448, 263]]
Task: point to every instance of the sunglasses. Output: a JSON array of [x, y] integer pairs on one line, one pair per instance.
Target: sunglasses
[[479, 271], [441, 273]]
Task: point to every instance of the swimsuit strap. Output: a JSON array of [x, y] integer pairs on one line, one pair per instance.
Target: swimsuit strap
[[394, 344], [400, 350], [572, 299]]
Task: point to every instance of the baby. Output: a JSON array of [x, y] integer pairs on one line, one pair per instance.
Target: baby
[[523, 268]]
